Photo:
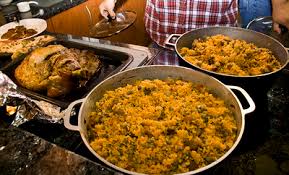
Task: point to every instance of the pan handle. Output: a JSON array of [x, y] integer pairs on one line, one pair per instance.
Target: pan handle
[[67, 115], [167, 41], [252, 105]]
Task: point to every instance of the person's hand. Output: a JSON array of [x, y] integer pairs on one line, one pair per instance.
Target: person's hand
[[106, 8], [280, 14]]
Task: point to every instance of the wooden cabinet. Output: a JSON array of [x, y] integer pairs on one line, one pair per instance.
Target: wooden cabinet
[[50, 27], [76, 21]]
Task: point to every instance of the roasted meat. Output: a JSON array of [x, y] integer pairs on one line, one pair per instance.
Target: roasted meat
[[21, 47], [18, 32], [57, 69]]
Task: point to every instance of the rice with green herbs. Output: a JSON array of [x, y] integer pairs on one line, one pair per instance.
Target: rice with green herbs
[[161, 127], [222, 54]]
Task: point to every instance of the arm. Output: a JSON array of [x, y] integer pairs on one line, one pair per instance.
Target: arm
[[280, 14], [106, 8]]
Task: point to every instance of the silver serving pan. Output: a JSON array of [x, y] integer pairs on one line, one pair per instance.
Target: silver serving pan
[[259, 39], [159, 72]]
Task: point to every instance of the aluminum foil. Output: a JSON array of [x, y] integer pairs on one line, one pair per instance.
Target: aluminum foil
[[25, 107]]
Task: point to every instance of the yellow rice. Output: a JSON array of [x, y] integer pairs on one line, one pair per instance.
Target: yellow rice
[[222, 54], [161, 127]]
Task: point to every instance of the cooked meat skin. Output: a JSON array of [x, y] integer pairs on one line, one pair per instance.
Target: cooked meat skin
[[56, 69], [34, 71]]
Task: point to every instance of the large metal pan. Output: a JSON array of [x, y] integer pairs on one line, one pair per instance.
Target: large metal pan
[[159, 72], [259, 39]]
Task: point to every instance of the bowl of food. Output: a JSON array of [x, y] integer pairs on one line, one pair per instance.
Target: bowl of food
[[161, 120], [24, 29], [231, 52]]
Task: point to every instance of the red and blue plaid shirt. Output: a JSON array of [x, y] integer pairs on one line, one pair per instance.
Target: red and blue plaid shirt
[[165, 17]]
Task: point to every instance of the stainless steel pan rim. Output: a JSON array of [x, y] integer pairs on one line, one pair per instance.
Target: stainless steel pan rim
[[235, 33], [154, 71]]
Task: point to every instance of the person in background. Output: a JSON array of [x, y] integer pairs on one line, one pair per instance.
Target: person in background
[[251, 9], [280, 14], [278, 9], [166, 17]]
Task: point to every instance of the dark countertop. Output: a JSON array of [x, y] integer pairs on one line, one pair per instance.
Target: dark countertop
[[24, 153], [52, 149], [49, 7]]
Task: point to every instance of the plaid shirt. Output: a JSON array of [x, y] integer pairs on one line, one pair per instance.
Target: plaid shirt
[[165, 17]]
